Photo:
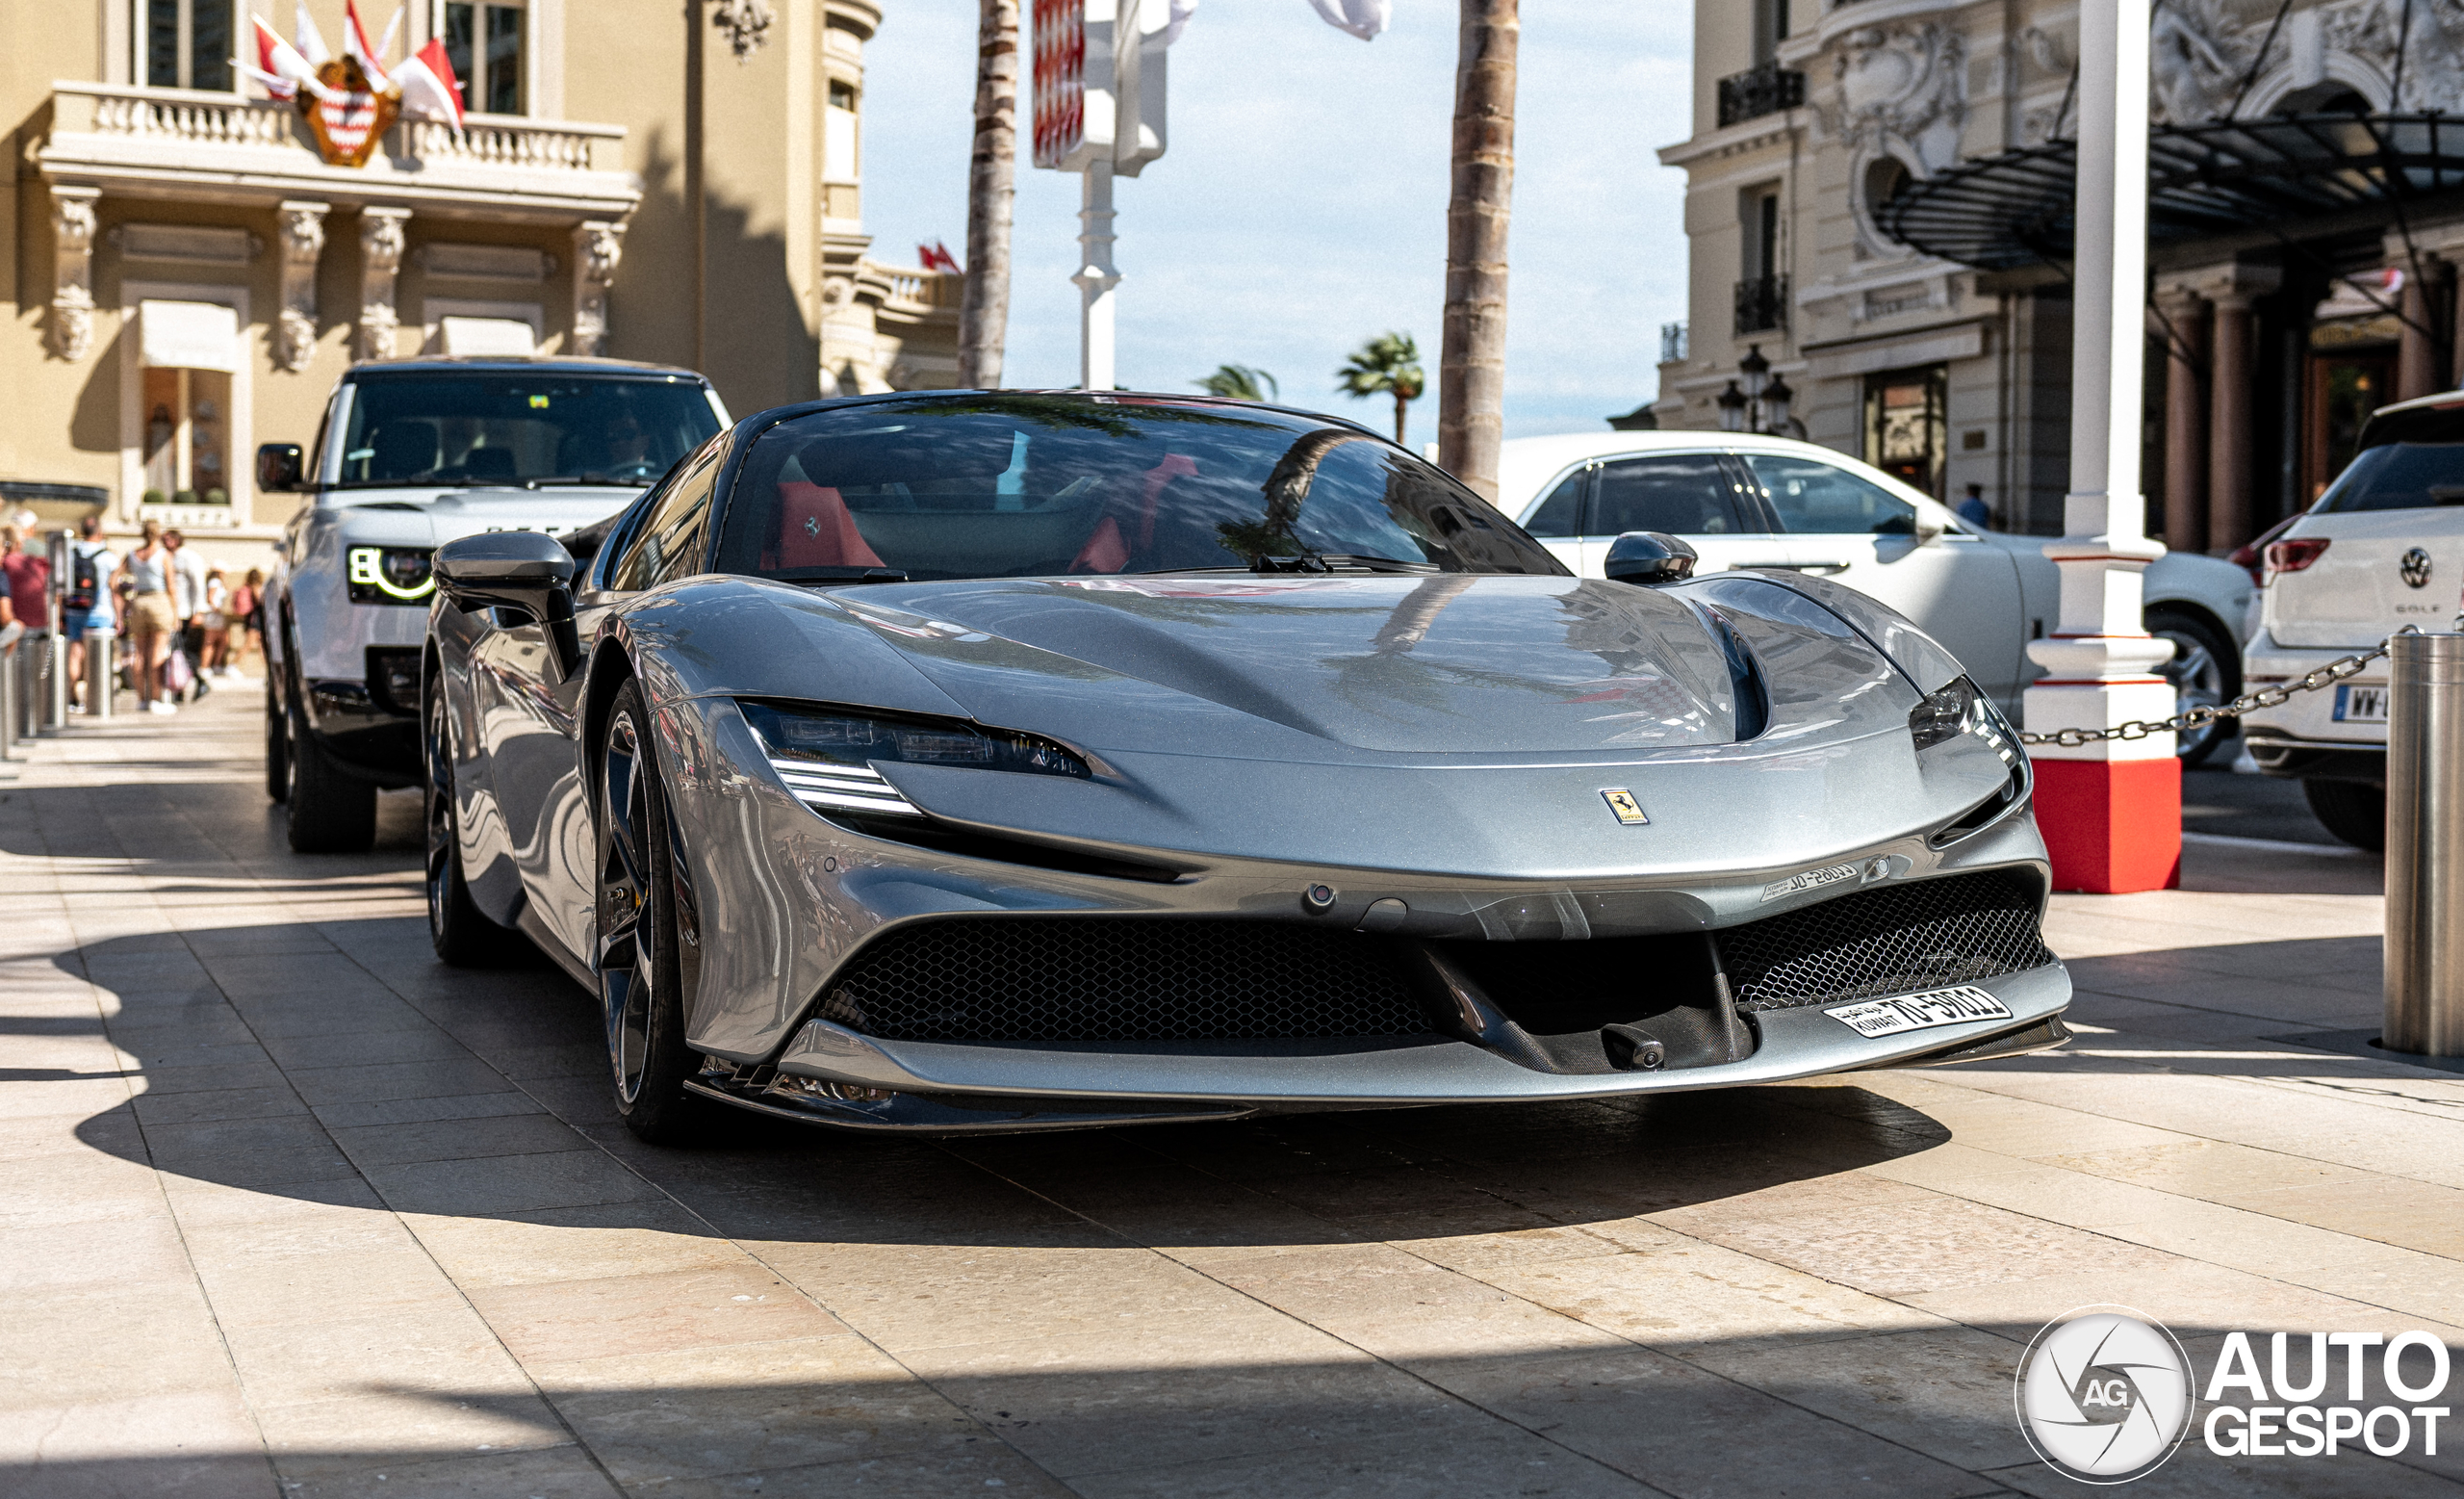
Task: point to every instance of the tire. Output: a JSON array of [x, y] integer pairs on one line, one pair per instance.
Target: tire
[[332, 812], [2206, 671], [2353, 811], [277, 741], [640, 983], [462, 935]]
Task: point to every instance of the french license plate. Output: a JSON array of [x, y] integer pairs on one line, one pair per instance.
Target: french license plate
[[2361, 705], [1919, 1012]]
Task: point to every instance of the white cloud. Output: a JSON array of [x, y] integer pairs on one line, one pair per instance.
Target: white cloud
[[1301, 207]]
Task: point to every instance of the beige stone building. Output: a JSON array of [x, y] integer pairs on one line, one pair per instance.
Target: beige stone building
[[636, 179], [1878, 198]]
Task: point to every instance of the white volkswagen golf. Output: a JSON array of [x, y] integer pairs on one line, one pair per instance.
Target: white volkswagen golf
[[1773, 501], [2383, 548]]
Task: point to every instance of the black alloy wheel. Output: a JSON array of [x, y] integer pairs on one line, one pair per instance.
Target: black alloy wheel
[[2205, 672], [461, 934], [2353, 811], [332, 812], [277, 741], [640, 984]]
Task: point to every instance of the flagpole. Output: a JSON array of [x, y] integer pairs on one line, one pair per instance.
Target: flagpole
[[1096, 278]]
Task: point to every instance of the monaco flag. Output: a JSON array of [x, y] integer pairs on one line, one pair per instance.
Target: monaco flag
[[1363, 19], [280, 70], [429, 89], [357, 49]]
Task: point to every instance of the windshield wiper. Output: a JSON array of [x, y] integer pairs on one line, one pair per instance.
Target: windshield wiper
[[593, 481], [837, 574], [1334, 561]]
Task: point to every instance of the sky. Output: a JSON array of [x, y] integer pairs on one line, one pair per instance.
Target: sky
[[1299, 209]]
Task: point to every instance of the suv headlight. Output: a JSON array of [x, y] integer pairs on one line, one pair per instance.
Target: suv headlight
[[827, 758], [390, 575]]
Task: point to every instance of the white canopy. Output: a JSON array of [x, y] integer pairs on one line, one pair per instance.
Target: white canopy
[[486, 336]]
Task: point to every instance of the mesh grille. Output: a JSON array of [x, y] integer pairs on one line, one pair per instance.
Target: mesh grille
[[1886, 940], [1109, 979]]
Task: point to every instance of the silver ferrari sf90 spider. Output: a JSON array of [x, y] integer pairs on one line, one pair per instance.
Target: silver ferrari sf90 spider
[[979, 762]]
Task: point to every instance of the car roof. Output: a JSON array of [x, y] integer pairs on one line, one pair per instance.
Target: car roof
[[567, 364], [1526, 463]]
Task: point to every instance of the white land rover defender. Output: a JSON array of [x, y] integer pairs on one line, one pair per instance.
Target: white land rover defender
[[411, 454], [2383, 548]]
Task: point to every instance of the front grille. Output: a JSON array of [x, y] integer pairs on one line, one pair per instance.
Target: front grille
[[1103, 978], [1886, 940]]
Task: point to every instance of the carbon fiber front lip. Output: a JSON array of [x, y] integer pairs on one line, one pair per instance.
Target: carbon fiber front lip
[[1802, 1043]]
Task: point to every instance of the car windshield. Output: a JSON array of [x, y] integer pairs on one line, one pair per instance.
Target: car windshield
[[2400, 475], [1039, 485], [465, 428]]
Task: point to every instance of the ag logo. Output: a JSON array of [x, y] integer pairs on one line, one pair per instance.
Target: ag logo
[[2414, 569], [2104, 1395]]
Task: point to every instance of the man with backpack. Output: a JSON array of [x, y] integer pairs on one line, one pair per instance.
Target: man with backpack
[[88, 606]]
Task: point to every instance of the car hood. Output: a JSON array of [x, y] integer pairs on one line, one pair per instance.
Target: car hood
[[1452, 667], [423, 517]]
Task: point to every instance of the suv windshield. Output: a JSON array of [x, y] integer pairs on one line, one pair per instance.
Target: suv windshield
[[2400, 475], [1034, 485], [461, 428]]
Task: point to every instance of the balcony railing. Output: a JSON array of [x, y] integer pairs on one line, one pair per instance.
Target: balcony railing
[[1763, 305], [1760, 90], [1671, 343]]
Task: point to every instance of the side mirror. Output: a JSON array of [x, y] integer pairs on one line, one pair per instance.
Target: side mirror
[[1930, 526], [1646, 558], [277, 466], [527, 571]]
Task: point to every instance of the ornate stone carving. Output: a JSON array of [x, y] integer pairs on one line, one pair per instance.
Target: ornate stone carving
[[598, 249], [303, 243], [2405, 55], [380, 258], [746, 23], [73, 295], [1901, 89]]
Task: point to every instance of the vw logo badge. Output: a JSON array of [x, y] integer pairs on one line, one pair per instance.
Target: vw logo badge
[[2104, 1395], [2414, 569]]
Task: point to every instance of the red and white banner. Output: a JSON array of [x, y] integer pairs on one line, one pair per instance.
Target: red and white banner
[[1058, 45]]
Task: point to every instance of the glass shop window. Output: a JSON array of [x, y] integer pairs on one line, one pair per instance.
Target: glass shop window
[[1908, 426], [485, 44], [187, 439], [186, 44]]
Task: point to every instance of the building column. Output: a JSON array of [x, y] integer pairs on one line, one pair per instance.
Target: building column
[[380, 257], [2416, 354], [2184, 327], [304, 244], [2231, 504], [73, 295], [598, 247]]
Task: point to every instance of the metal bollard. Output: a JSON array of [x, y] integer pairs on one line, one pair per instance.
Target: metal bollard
[[12, 697], [2424, 954], [55, 680]]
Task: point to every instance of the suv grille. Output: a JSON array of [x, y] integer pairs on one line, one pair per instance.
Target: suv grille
[[1103, 978], [1886, 940]]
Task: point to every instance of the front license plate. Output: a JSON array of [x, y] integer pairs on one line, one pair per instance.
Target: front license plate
[[1920, 1012], [2361, 705]]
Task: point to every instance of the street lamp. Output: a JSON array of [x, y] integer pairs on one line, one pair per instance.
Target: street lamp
[[1732, 404], [1776, 397], [1755, 370]]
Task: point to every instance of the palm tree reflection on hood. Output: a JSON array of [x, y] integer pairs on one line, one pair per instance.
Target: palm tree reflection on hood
[[1389, 674]]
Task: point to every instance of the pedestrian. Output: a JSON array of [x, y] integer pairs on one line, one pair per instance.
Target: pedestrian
[[1974, 510], [214, 626], [150, 572], [88, 607], [188, 606], [245, 603], [26, 580]]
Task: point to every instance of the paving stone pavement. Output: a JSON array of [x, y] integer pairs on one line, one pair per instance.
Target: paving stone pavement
[[288, 1209]]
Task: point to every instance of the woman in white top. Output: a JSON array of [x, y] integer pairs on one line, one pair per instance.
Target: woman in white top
[[216, 620], [151, 628]]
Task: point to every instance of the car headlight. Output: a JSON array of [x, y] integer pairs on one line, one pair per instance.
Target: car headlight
[[1961, 708], [390, 575], [826, 758]]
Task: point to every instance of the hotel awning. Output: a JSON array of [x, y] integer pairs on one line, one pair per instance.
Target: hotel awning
[[2215, 177]]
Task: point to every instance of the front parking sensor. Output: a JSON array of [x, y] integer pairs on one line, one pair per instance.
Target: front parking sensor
[[1633, 1049]]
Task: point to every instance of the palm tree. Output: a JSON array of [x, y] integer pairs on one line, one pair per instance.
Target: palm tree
[[1470, 364], [1239, 382], [983, 305], [1388, 365]]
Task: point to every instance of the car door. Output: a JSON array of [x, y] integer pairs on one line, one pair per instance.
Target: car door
[[1700, 497], [1956, 587], [532, 721]]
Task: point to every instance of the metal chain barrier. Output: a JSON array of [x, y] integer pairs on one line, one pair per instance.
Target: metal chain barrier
[[2334, 672]]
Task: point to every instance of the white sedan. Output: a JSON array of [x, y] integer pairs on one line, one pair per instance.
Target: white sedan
[[1773, 501]]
